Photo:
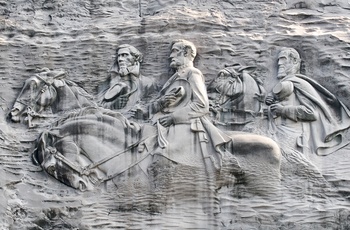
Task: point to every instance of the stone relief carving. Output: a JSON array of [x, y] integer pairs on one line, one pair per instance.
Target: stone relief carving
[[140, 138], [303, 113], [96, 145], [88, 148], [47, 94], [298, 109], [128, 187], [236, 97], [126, 85]]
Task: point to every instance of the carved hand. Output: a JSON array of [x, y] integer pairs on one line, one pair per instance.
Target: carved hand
[[270, 100], [276, 109], [166, 121], [139, 113], [166, 100], [260, 97], [123, 100]]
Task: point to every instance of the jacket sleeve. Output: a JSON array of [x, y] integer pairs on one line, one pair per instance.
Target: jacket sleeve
[[299, 113], [307, 109]]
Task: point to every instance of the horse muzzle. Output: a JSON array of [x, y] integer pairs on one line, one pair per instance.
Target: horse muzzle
[[16, 112]]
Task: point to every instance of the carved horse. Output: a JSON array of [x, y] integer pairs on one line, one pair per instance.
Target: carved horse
[[85, 138], [95, 145], [48, 90], [236, 97]]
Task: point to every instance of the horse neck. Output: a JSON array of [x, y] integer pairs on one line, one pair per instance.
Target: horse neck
[[251, 88], [71, 97]]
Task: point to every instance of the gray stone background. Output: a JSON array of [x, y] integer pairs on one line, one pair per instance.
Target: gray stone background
[[80, 36]]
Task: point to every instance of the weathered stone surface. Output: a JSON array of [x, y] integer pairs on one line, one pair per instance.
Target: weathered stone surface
[[80, 37]]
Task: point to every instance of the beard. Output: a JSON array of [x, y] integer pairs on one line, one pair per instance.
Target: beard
[[281, 74], [173, 65], [123, 71], [287, 69], [284, 72], [126, 70]]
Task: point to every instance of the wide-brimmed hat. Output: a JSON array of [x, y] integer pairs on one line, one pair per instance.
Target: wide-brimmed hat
[[283, 89]]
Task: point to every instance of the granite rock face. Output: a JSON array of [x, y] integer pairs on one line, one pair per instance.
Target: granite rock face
[[80, 38]]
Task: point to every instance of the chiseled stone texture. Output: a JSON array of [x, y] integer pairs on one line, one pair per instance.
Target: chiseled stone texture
[[81, 36]]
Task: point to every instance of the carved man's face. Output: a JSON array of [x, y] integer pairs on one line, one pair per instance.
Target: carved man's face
[[286, 65], [125, 60], [177, 56]]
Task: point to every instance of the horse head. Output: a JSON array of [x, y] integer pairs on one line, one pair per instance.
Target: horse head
[[229, 85], [48, 89], [68, 166], [36, 95], [236, 88], [236, 99], [87, 148]]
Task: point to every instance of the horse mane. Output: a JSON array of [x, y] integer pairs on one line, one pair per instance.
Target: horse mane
[[79, 90]]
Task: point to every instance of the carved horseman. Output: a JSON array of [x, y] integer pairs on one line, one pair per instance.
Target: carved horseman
[[180, 114], [96, 145], [181, 132], [303, 110], [126, 86]]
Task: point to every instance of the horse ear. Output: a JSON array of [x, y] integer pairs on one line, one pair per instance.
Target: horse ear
[[234, 65], [55, 74], [231, 71], [42, 70], [60, 75]]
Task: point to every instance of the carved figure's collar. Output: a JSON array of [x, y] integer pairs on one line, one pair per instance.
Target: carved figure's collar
[[289, 76], [133, 70]]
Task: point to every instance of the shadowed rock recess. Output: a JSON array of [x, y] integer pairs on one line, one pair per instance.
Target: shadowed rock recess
[[174, 114]]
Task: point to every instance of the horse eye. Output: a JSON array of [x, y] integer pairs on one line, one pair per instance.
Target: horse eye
[[53, 150], [51, 170]]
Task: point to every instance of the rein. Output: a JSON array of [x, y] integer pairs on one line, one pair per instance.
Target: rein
[[87, 169], [104, 160]]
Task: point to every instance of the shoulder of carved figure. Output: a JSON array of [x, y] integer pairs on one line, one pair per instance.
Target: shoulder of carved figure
[[192, 72]]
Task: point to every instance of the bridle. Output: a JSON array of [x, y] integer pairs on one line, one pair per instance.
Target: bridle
[[29, 108], [87, 170]]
